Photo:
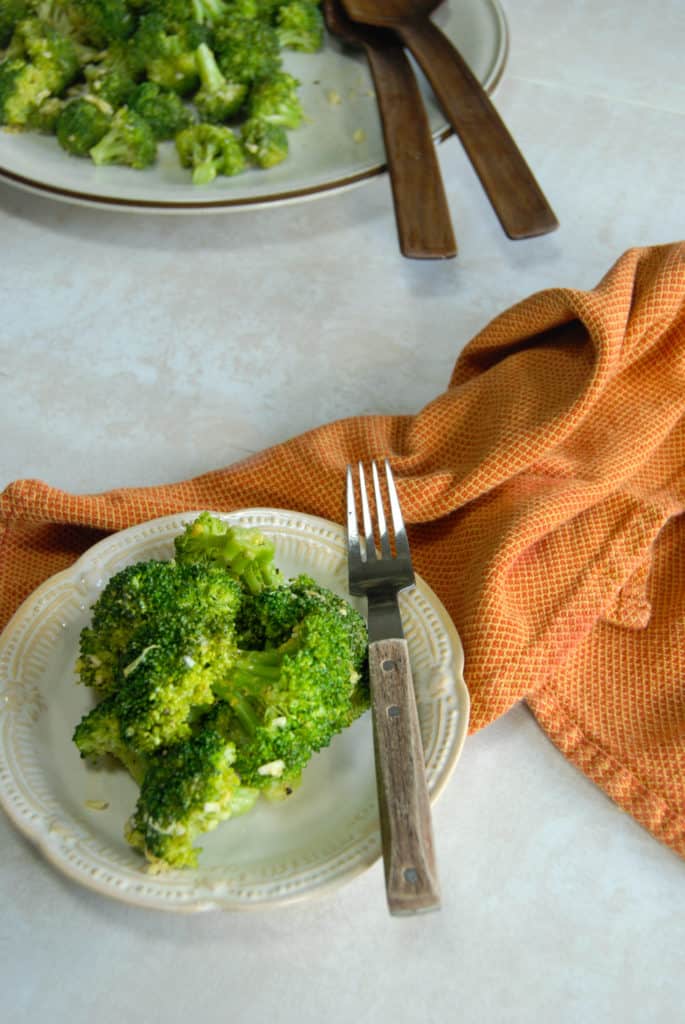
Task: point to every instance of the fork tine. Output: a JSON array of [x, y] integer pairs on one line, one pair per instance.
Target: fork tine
[[401, 542], [366, 518], [380, 514], [354, 550]]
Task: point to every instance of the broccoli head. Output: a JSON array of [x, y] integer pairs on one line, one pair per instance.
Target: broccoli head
[[265, 144], [80, 126], [217, 100], [275, 101], [23, 88], [168, 53], [188, 789], [246, 552], [300, 26], [164, 110], [44, 118], [113, 76], [128, 141], [247, 49], [99, 734], [100, 22], [11, 11], [52, 53]]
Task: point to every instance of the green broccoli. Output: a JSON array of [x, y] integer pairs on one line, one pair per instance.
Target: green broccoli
[[246, 552], [217, 100], [220, 681], [188, 789], [275, 101], [129, 141], [99, 22], [209, 150], [164, 110], [168, 53], [300, 26], [246, 49], [99, 734], [53, 54], [11, 11], [44, 118], [265, 144], [23, 88], [202, 596], [80, 126], [209, 11], [114, 75]]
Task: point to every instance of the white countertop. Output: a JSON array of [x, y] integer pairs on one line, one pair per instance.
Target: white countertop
[[144, 349]]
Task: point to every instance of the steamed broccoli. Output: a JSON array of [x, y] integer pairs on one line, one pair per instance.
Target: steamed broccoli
[[299, 26], [168, 52], [209, 11], [246, 552], [113, 76], [23, 88], [217, 100], [129, 140], [246, 49], [80, 126], [186, 792], [209, 150], [44, 118], [265, 144], [275, 101], [164, 110], [53, 54], [220, 681], [11, 11]]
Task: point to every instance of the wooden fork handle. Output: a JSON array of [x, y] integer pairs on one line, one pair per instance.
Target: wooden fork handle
[[411, 878], [423, 218], [508, 181]]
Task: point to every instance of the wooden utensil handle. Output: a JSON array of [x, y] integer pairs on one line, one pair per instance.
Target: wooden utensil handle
[[508, 181], [411, 877], [423, 218]]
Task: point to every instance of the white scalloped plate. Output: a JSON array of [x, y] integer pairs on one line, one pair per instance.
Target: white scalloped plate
[[326, 833], [339, 145]]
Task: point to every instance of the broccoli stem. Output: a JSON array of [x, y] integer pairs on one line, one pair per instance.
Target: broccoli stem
[[208, 69]]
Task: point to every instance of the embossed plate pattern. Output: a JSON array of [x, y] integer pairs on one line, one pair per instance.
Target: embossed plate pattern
[[322, 836]]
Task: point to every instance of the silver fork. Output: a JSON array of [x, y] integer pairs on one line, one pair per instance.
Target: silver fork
[[411, 879]]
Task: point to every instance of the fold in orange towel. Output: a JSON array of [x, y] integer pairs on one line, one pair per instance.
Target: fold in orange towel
[[543, 490]]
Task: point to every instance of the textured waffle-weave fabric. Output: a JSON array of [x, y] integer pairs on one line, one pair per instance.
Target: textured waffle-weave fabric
[[543, 491]]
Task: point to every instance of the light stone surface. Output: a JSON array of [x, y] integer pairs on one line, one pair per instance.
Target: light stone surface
[[143, 349]]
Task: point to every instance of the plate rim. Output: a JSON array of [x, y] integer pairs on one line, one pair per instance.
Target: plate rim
[[35, 827], [281, 198]]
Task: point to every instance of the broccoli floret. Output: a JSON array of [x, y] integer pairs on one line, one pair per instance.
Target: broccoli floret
[[216, 100], [244, 551], [53, 54], [201, 596], [99, 733], [300, 26], [209, 11], [291, 700], [246, 49], [100, 22], [114, 76], [275, 101], [45, 117], [188, 789], [164, 111], [168, 53], [265, 144], [11, 11], [129, 141], [80, 126], [23, 88], [209, 150]]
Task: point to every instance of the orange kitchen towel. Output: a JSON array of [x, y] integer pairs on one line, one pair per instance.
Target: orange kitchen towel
[[544, 491]]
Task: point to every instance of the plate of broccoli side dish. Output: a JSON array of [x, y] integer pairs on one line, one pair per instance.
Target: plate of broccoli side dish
[[184, 713], [191, 105]]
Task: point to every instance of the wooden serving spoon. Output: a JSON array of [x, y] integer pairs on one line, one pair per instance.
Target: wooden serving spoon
[[422, 214], [514, 193]]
